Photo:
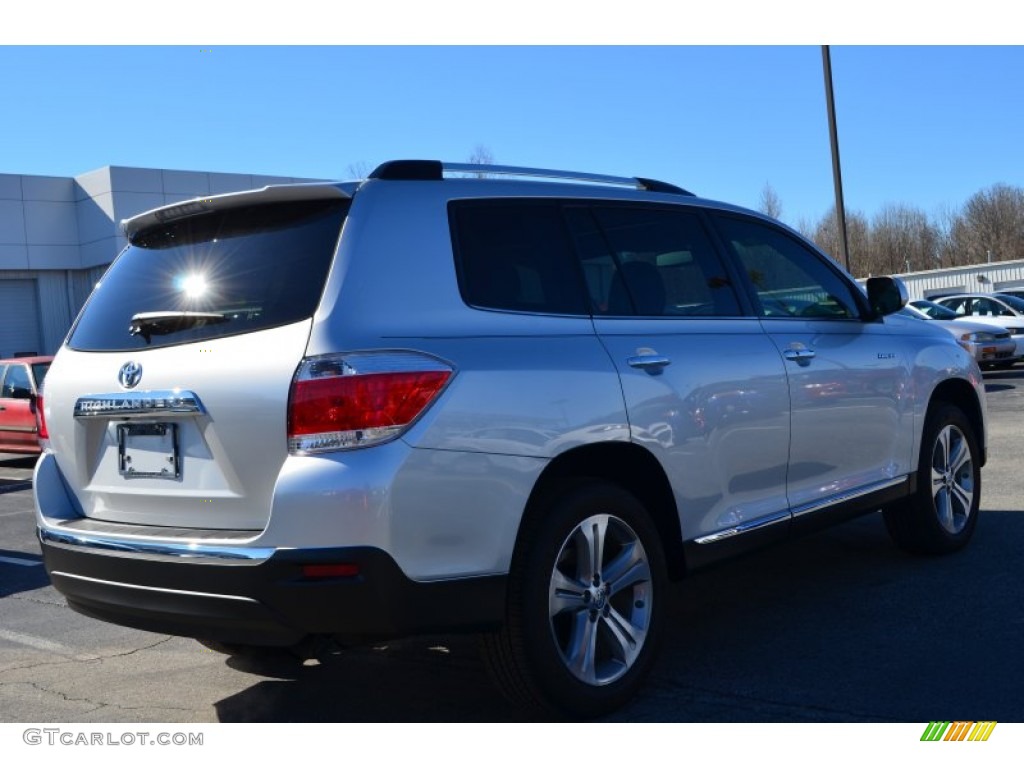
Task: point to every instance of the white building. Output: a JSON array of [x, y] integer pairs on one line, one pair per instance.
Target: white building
[[977, 278]]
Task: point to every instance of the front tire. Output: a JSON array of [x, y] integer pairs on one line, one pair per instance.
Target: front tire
[[587, 595], [944, 511]]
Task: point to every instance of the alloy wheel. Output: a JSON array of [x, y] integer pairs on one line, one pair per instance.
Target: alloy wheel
[[952, 479], [599, 601]]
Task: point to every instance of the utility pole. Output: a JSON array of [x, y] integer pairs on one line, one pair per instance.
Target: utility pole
[[837, 175]]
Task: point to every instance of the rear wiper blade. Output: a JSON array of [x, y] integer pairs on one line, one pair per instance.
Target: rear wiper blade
[[146, 324]]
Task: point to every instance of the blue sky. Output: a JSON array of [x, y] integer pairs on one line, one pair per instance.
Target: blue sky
[[926, 126]]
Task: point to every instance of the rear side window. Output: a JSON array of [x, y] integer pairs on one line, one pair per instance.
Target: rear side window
[[218, 274], [516, 255]]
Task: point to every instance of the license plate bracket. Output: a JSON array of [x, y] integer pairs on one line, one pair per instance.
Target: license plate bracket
[[148, 450]]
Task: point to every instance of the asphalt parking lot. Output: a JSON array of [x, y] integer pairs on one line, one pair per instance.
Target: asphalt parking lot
[[840, 626]]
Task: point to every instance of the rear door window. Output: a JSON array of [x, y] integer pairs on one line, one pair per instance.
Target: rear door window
[[650, 261], [219, 274]]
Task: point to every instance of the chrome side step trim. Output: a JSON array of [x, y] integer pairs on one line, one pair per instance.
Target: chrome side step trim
[[805, 509], [856, 493], [163, 590], [186, 550], [753, 525]]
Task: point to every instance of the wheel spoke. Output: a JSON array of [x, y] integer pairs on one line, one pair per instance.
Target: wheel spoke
[[964, 496], [566, 594], [944, 509], [628, 569], [626, 639], [961, 455], [942, 445], [590, 546], [938, 481], [581, 656]]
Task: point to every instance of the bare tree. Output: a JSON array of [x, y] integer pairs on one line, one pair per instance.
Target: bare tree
[[481, 155], [358, 170], [826, 236], [992, 226], [902, 240], [771, 203]]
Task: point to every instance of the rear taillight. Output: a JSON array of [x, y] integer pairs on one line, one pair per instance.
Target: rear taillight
[[359, 399], [41, 418]]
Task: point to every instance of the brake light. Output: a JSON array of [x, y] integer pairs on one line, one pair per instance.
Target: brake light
[[44, 434], [355, 400]]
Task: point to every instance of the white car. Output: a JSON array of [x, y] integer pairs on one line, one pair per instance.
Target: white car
[[992, 347], [1001, 310]]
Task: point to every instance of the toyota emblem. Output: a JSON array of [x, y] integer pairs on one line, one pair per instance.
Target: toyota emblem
[[130, 374]]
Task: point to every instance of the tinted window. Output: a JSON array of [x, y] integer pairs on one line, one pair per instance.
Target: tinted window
[[936, 311], [516, 255], [218, 274], [39, 373], [16, 382], [650, 261], [790, 279], [1013, 301]]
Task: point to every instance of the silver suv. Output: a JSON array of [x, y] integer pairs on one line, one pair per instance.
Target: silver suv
[[512, 406]]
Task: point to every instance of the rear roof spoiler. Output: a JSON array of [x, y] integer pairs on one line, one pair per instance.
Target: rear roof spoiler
[[272, 194]]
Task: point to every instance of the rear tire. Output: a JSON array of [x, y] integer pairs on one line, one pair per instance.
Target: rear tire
[[586, 603], [944, 511]]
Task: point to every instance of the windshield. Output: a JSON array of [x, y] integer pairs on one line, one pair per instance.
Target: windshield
[[1013, 301], [217, 274], [936, 311]]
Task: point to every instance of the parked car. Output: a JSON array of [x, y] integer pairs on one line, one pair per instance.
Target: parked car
[[991, 308], [991, 347], [20, 381], [516, 407], [1017, 293]]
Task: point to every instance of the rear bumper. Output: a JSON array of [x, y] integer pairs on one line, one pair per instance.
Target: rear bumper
[[265, 599]]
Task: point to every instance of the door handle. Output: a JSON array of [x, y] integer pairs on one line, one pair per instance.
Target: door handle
[[649, 363], [800, 354]]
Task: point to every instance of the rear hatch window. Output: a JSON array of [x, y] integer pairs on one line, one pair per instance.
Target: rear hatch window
[[217, 274]]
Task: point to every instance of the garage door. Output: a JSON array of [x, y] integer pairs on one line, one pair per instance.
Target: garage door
[[19, 317]]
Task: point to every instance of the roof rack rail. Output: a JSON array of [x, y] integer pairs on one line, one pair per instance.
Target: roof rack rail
[[434, 170]]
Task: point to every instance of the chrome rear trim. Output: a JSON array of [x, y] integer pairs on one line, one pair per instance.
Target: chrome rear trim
[[138, 587], [175, 551], [159, 402]]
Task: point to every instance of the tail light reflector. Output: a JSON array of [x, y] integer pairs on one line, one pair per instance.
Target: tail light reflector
[[359, 399]]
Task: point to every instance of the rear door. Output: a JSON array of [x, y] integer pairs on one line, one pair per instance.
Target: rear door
[[705, 388]]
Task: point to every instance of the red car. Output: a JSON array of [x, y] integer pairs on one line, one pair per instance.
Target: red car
[[21, 378]]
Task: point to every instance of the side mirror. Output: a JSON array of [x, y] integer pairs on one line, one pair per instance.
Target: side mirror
[[886, 295]]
